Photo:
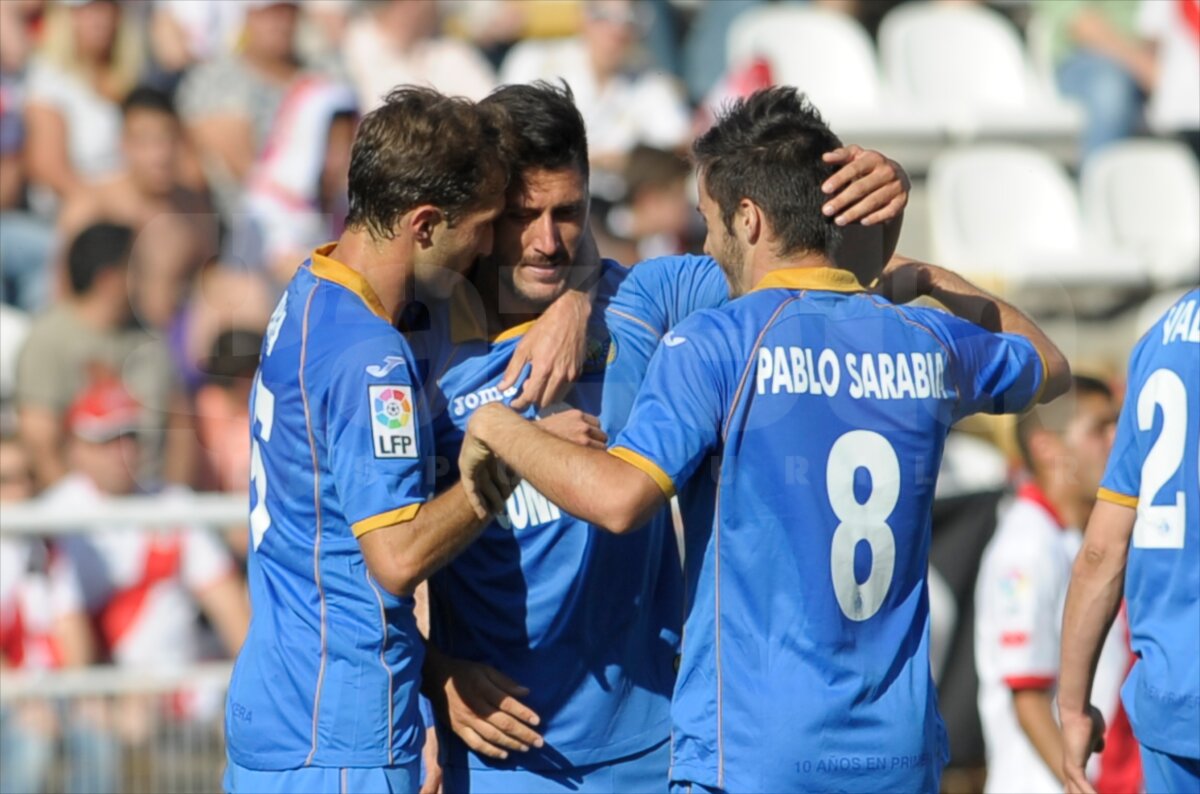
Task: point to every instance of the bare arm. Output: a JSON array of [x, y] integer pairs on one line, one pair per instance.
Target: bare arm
[[1035, 714], [905, 279], [1091, 29], [584, 481], [47, 158], [1093, 599], [401, 556], [41, 435], [227, 607], [227, 138]]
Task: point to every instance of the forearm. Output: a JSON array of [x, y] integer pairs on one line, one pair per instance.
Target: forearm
[[965, 300], [1035, 715], [442, 528], [588, 483], [1093, 599]]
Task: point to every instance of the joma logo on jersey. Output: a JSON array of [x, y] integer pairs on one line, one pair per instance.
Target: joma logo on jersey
[[469, 402], [393, 431], [526, 508]]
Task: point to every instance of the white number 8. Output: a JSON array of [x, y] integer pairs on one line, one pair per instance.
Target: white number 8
[[866, 521]]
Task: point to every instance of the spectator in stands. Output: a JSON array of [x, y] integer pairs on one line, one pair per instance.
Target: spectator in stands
[[88, 60], [141, 585], [93, 325], [1173, 29], [1102, 63], [396, 41], [25, 240], [222, 410], [174, 226], [654, 219], [184, 34], [495, 27], [1019, 598], [43, 625], [622, 103], [704, 53], [230, 104], [296, 196], [223, 419]]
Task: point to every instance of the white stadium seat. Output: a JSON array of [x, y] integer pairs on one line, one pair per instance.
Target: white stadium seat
[[1143, 196], [830, 57], [1009, 215], [964, 64]]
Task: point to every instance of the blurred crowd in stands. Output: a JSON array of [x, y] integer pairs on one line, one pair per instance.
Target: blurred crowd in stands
[[165, 165]]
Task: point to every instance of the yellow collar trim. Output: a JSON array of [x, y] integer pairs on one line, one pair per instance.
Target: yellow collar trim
[[829, 279], [332, 270], [465, 325]]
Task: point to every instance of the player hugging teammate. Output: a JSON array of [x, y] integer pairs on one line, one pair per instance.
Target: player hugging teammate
[[558, 601]]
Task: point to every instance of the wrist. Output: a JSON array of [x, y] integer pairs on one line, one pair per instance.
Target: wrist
[[485, 418]]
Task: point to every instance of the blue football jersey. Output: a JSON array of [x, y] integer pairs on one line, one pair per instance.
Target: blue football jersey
[[329, 672], [587, 620], [1155, 467], [803, 426], [656, 296]]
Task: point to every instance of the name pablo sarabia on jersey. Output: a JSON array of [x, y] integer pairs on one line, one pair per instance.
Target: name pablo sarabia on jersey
[[876, 376]]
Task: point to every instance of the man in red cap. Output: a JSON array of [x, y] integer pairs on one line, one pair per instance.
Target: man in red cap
[[143, 586]]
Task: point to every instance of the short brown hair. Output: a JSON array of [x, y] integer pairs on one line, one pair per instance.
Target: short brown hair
[[1054, 416], [421, 147]]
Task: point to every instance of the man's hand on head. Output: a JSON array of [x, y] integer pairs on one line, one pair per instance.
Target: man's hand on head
[[904, 280], [868, 188]]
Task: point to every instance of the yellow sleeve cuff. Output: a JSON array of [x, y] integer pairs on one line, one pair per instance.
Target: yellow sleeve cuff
[[1117, 498], [386, 519], [646, 465], [1037, 396]]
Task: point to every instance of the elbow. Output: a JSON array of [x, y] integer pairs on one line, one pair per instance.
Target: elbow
[[400, 576], [1058, 376], [620, 516]]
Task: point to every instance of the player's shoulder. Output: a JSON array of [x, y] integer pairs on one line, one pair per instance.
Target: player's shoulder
[[1172, 335]]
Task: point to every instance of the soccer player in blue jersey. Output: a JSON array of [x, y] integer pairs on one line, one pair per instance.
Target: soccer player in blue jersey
[[343, 520], [1143, 540], [588, 621], [802, 426]]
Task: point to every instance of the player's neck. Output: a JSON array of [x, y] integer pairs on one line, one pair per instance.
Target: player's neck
[[383, 264], [763, 261], [1063, 497], [493, 296]]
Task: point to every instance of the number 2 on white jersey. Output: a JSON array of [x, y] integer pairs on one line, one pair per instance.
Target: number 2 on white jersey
[[866, 521], [1162, 526]]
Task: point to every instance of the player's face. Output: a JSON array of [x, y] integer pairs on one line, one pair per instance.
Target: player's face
[[721, 245], [1089, 438], [471, 237], [539, 234]]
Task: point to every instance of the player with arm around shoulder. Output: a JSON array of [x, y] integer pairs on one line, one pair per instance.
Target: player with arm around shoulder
[[805, 418], [343, 522]]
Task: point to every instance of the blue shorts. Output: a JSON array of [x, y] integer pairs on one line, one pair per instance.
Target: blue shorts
[[1169, 774], [323, 780], [641, 773]]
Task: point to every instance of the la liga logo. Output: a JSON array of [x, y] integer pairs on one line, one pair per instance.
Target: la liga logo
[[392, 409]]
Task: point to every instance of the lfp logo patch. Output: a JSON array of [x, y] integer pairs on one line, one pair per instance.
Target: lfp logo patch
[[392, 425]]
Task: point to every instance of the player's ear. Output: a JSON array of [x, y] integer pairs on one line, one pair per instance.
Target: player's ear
[[749, 220], [422, 222]]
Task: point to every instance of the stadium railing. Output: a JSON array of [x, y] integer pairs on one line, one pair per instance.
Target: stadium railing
[[116, 729]]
